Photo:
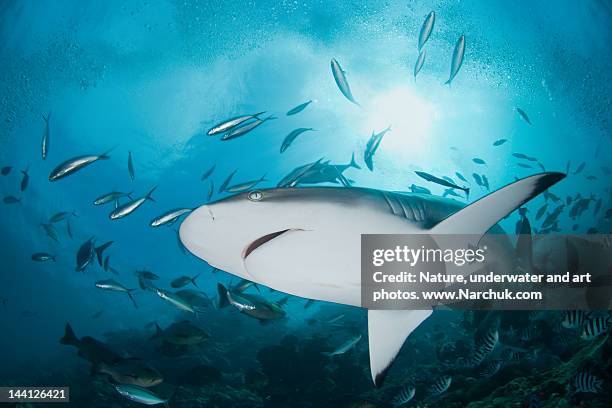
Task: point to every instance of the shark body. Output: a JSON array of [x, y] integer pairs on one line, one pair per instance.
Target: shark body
[[307, 241]]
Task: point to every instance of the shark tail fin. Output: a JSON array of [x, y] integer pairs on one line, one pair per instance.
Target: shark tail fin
[[223, 298], [69, 336], [387, 331]]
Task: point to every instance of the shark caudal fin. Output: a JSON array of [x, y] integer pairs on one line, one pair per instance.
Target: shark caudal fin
[[387, 331]]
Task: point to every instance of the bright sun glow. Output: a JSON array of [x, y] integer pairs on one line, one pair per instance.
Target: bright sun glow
[[409, 115]]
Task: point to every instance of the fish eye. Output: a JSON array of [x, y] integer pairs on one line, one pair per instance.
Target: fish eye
[[255, 195]]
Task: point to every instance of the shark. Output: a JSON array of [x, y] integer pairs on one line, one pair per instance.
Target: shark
[[307, 241]]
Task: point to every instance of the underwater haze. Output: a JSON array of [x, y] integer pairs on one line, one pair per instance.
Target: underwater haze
[[141, 83]]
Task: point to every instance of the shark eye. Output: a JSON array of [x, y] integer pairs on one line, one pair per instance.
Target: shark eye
[[255, 195]]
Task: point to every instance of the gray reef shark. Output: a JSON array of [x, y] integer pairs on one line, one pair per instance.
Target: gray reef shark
[[307, 241]]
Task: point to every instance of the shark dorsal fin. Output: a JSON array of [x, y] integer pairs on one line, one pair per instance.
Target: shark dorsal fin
[[387, 330]]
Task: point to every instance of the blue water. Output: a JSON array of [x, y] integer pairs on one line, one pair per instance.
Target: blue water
[[151, 77]]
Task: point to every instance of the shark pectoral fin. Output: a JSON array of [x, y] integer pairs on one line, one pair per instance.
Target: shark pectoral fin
[[387, 331], [478, 217]]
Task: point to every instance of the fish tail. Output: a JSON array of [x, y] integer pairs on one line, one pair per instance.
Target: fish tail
[[150, 193], [46, 117], [258, 114], [158, 332], [129, 293], [353, 163], [193, 280], [223, 298], [105, 155], [69, 336], [100, 250], [271, 117]]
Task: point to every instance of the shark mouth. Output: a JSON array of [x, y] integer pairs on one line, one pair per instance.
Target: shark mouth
[[262, 240]]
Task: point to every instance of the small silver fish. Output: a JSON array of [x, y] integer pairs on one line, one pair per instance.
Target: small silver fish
[[372, 146], [128, 208], [419, 63], [184, 280], [478, 160], [168, 218], [346, 346], [42, 257], [11, 200], [61, 216], [457, 60], [140, 394], [298, 108], [131, 166], [461, 177], [73, 165], [226, 182], [426, 29], [231, 123], [211, 190], [208, 172], [25, 180], [523, 115], [246, 186], [112, 196], [442, 182], [45, 138], [292, 136], [244, 129], [175, 300], [341, 82], [50, 231], [114, 286]]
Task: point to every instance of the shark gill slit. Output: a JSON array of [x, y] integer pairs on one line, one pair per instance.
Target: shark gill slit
[[262, 240]]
